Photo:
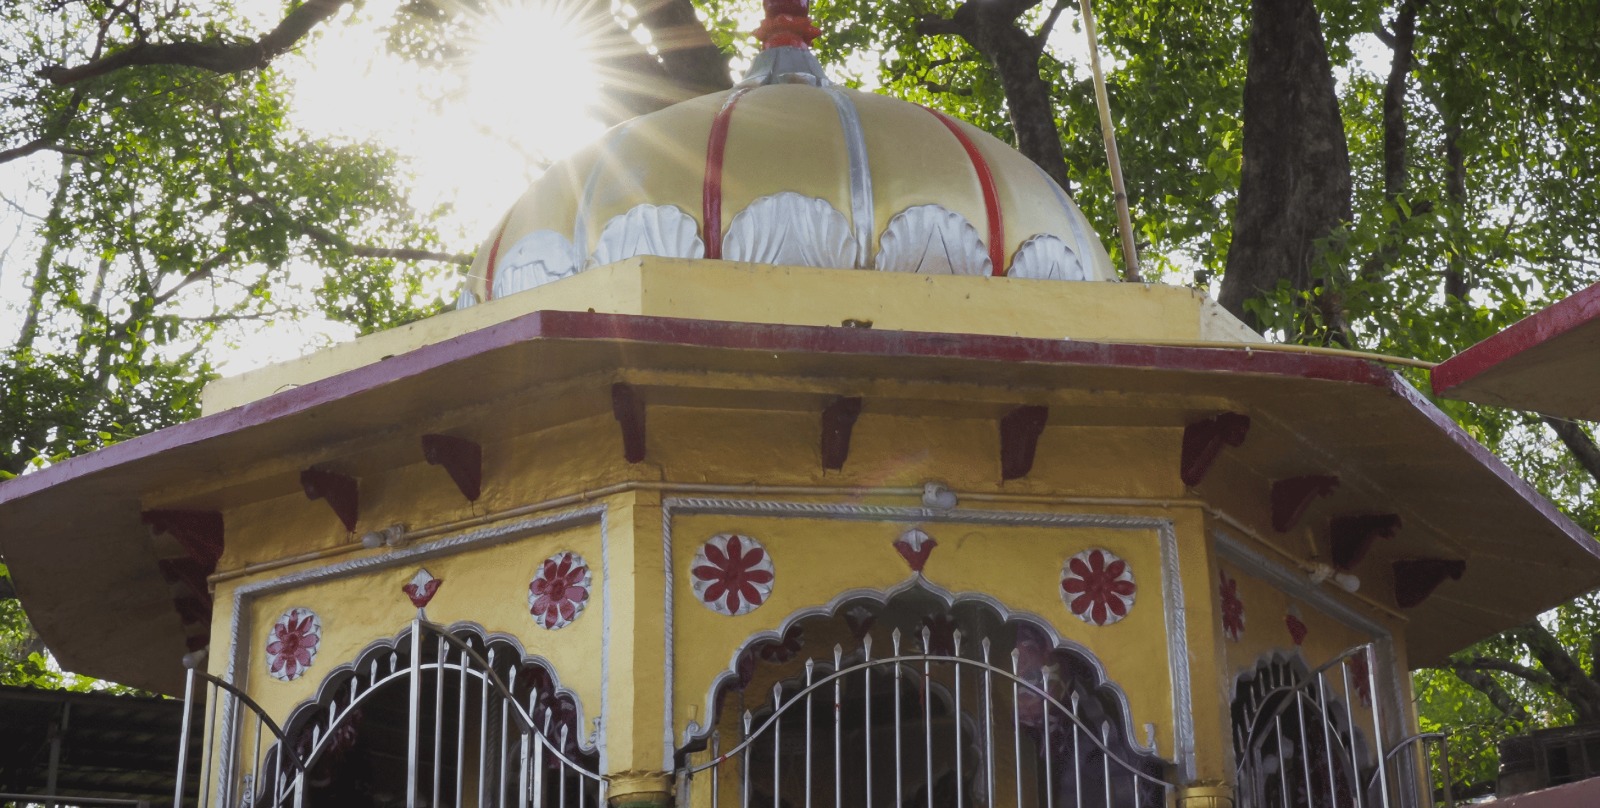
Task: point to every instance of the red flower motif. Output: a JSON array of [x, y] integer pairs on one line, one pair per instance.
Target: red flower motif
[[1297, 627], [1098, 587], [732, 574], [421, 588], [559, 591], [294, 644], [1232, 609]]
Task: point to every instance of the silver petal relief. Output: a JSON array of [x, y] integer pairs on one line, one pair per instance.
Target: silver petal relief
[[647, 229], [931, 240], [790, 229], [536, 259], [466, 299], [1045, 257]]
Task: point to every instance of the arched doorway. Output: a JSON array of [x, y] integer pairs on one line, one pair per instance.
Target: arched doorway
[[435, 716], [1293, 737], [916, 700]]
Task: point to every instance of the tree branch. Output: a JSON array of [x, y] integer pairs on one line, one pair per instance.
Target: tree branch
[[1049, 23], [215, 57], [407, 254], [1497, 695], [1578, 442], [1523, 672], [1568, 678]]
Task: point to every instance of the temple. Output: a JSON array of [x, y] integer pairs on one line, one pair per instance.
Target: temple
[[795, 444]]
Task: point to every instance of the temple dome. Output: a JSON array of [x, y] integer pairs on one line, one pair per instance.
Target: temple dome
[[786, 169]]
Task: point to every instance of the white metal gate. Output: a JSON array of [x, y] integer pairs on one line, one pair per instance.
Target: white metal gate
[[511, 743]]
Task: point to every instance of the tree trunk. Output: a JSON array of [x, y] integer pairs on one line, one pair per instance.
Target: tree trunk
[[1294, 188]]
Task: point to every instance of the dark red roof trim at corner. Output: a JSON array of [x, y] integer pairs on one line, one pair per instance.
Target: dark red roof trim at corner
[[558, 325], [1529, 332]]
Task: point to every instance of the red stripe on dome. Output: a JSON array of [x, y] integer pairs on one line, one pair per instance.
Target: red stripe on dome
[[494, 256], [991, 197], [711, 193]]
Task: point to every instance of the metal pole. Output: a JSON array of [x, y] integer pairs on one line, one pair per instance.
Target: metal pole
[[183, 739], [412, 720]]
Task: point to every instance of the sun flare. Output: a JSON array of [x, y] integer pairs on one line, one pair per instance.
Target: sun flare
[[531, 76]]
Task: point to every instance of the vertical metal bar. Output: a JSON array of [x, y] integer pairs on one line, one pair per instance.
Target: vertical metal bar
[[866, 692], [211, 735], [838, 727], [1350, 697], [716, 767], [461, 728], [280, 779], [777, 738], [1377, 722], [1105, 759], [1327, 743], [1445, 774], [988, 718], [522, 768], [927, 714], [1049, 752], [505, 736], [1016, 726], [413, 764], [960, 769], [539, 742], [1283, 762], [561, 766], [1305, 746], [438, 718], [744, 761], [1077, 769], [483, 732], [183, 739], [899, 766], [1135, 779], [811, 665]]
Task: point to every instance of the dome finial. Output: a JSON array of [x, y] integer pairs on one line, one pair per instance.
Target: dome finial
[[787, 25]]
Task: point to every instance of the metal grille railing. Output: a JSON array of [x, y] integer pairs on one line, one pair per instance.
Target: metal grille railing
[[999, 720], [519, 753]]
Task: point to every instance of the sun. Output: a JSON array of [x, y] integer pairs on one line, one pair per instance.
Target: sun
[[531, 75]]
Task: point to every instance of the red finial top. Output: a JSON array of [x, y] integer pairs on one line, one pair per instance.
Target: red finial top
[[788, 25]]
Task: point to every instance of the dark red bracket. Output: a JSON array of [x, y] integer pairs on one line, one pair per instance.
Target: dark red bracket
[[1019, 439], [199, 533], [339, 491], [462, 460], [838, 419], [1350, 537], [628, 409], [190, 573], [1416, 579], [1203, 442], [1291, 498]]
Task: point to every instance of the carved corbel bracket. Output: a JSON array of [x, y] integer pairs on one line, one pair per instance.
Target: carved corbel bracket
[[1019, 439], [1293, 496], [838, 419], [340, 492], [462, 460], [1350, 537], [628, 408], [1203, 442], [1415, 580]]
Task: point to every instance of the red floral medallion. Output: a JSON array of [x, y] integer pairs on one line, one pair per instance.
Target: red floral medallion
[[1297, 627], [732, 574], [1232, 609], [1098, 587], [559, 590], [293, 644]]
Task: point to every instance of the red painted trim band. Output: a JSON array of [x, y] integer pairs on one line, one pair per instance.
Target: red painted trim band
[[494, 256], [711, 192], [1529, 332], [991, 197]]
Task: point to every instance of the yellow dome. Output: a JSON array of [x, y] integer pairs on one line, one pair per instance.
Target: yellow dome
[[795, 174]]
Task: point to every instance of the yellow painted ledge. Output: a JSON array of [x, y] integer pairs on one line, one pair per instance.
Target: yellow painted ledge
[[759, 293]]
